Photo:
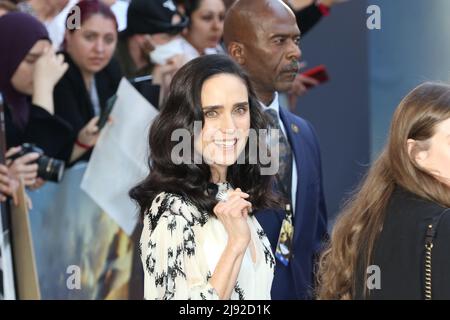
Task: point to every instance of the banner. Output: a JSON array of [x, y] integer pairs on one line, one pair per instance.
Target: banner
[[119, 159], [81, 253]]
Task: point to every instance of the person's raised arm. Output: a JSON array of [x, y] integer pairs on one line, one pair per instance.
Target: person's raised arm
[[48, 71]]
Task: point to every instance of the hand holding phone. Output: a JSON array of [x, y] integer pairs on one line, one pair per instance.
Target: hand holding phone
[[104, 116], [319, 73]]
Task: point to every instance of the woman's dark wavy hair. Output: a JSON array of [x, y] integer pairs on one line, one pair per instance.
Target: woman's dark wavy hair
[[182, 108]]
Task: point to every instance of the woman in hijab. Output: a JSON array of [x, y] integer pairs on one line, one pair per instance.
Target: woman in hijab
[[29, 71]]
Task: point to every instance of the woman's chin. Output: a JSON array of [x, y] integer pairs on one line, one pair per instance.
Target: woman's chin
[[223, 161], [225, 156]]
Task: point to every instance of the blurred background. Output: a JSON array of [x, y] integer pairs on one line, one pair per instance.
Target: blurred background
[[370, 72]]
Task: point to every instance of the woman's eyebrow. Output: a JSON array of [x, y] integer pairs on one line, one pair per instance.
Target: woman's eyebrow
[[215, 107], [241, 104], [209, 108]]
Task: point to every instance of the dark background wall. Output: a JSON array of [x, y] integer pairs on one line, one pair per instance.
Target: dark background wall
[[412, 46], [371, 71], [339, 110]]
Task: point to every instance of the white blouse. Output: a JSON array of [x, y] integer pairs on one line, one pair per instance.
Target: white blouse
[[181, 246]]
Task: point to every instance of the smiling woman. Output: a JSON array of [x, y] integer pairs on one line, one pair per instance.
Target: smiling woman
[[227, 122], [192, 245]]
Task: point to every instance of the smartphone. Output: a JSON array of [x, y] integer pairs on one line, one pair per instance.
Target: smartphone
[[319, 73], [104, 116]]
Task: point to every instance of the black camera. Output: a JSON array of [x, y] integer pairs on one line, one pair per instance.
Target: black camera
[[49, 169]]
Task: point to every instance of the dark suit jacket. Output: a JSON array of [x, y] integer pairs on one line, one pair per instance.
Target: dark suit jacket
[[399, 251], [72, 101], [310, 218]]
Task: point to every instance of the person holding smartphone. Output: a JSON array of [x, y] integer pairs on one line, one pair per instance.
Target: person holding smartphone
[[92, 77]]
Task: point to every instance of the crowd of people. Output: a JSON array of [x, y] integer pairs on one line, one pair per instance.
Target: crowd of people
[[221, 229]]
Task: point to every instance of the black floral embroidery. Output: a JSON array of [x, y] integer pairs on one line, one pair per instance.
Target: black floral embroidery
[[174, 269], [166, 207], [162, 208], [151, 244], [171, 224], [201, 218], [180, 217], [140, 249], [189, 241], [162, 281], [268, 254], [261, 234], [211, 292], [150, 263], [239, 291]]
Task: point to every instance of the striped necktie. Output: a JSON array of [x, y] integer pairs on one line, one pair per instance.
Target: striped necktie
[[285, 154]]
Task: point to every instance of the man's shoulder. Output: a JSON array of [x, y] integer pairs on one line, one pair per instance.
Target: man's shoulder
[[293, 118], [299, 125]]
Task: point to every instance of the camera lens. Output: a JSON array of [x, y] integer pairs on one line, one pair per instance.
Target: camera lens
[[50, 169]]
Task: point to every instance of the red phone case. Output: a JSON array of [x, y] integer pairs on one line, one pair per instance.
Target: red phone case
[[319, 73]]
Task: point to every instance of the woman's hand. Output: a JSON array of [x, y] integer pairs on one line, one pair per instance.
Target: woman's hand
[[39, 183], [49, 69], [90, 133], [163, 74], [5, 183], [233, 215], [23, 167], [87, 138]]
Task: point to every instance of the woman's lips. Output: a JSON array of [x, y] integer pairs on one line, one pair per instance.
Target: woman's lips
[[226, 144], [96, 60], [214, 41]]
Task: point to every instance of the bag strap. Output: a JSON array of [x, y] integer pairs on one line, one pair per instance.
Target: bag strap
[[429, 239]]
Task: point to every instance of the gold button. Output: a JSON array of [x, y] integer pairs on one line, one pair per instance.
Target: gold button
[[295, 128]]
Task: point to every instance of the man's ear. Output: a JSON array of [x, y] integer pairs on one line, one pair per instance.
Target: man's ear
[[417, 154], [236, 51]]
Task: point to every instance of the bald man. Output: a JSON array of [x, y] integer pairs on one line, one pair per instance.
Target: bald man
[[263, 37]]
